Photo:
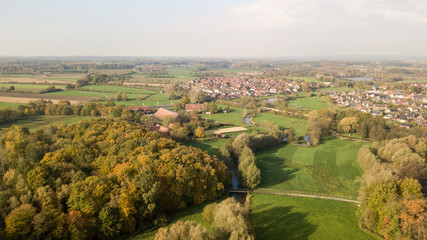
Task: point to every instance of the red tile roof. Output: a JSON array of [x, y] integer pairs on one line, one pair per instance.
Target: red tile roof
[[163, 113]]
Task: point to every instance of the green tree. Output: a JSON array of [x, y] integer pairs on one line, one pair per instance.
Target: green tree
[[19, 221]]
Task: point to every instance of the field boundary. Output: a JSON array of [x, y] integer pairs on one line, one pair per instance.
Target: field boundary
[[295, 194]]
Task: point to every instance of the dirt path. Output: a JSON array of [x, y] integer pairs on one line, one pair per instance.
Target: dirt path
[[306, 195], [233, 129]]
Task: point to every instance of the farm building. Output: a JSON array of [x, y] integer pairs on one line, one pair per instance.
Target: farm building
[[193, 107], [162, 113], [142, 109]]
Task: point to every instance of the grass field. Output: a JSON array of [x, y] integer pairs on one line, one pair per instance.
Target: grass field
[[306, 79], [330, 168], [34, 123], [294, 218], [284, 122], [33, 88], [193, 214], [78, 93], [314, 103], [102, 88], [337, 89], [11, 105], [235, 117]]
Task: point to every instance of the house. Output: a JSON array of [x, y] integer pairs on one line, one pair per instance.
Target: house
[[193, 107], [142, 109], [163, 113], [402, 118]]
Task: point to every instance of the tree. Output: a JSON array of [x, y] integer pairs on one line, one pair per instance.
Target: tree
[[290, 134], [213, 108], [19, 221], [348, 124], [413, 219], [184, 231], [199, 132]]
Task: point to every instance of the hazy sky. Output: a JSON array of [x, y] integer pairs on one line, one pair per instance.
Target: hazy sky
[[223, 28]]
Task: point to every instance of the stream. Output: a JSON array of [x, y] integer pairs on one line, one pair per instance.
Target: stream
[[240, 197], [247, 120]]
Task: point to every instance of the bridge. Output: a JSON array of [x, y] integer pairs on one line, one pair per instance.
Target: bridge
[[238, 190]]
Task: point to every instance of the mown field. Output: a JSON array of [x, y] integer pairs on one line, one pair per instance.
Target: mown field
[[284, 122], [103, 88], [32, 88], [296, 218], [313, 103], [235, 117], [10, 105], [306, 79], [193, 214], [330, 168], [34, 123]]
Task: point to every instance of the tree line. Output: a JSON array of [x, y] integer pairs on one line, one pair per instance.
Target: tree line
[[393, 206], [98, 179], [229, 219]]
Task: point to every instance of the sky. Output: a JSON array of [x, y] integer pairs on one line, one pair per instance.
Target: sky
[[219, 28]]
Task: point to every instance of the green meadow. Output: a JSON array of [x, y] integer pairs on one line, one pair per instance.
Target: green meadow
[[79, 93], [330, 168], [33, 88], [284, 122], [235, 117], [296, 218], [10, 105], [306, 79], [36, 122], [313, 103], [103, 88]]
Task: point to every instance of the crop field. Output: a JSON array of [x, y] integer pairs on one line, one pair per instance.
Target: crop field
[[26, 98], [34, 123], [314, 103], [299, 125], [33, 88], [294, 218], [330, 168], [29, 78]]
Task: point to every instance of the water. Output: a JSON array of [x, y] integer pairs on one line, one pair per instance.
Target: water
[[247, 120], [234, 179], [240, 197], [307, 139]]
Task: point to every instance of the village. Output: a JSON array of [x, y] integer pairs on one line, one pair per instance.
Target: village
[[236, 87], [393, 105]]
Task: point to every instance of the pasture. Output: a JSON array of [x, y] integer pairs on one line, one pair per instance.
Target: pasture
[[193, 214], [313, 103], [330, 168], [299, 125], [10, 105], [306, 79], [103, 88], [235, 117], [296, 218], [36, 122], [32, 88]]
